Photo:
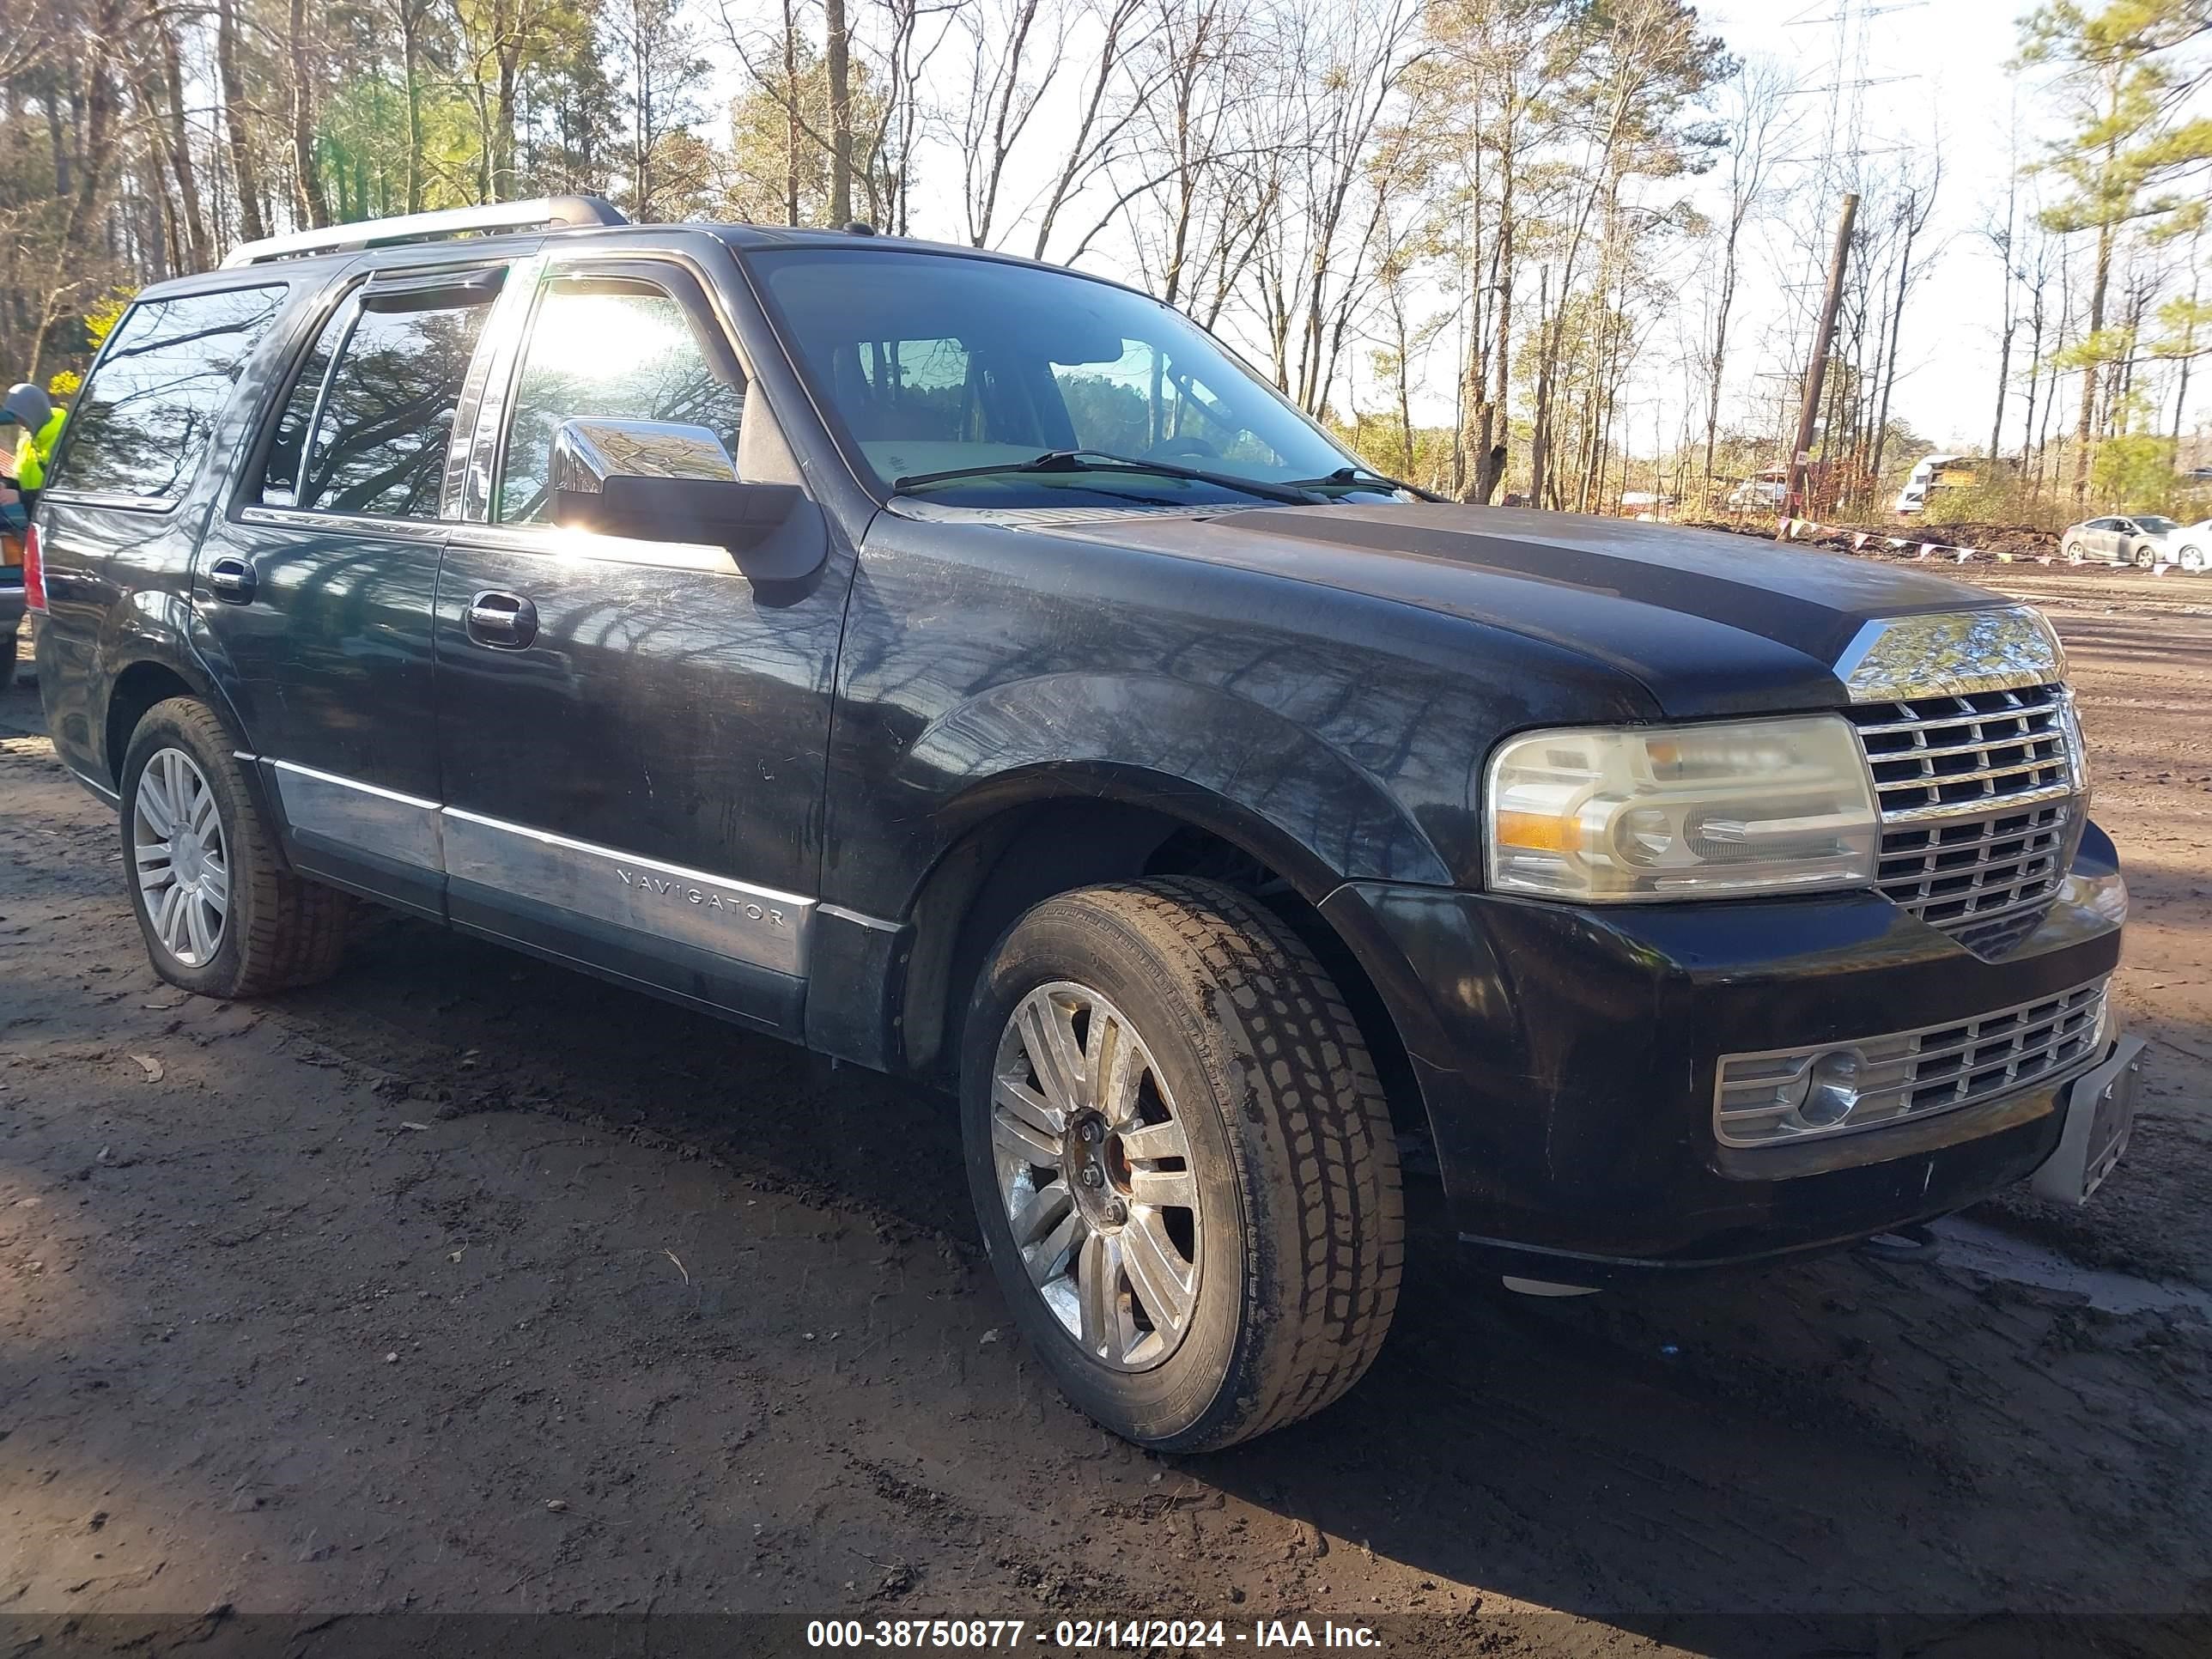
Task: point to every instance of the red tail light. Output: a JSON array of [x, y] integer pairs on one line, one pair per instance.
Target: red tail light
[[34, 575]]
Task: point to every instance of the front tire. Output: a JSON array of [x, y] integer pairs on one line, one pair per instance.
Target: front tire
[[221, 914], [1181, 1161]]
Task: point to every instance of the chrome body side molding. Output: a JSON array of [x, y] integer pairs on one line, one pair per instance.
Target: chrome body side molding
[[760, 926], [359, 816], [754, 925], [99, 790]]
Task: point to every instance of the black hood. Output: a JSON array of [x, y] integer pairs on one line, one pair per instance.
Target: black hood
[[1709, 623]]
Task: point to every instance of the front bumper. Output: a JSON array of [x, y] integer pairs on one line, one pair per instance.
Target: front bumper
[[1568, 1059]]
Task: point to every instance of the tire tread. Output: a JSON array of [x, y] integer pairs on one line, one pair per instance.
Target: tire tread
[[1318, 1099], [296, 929]]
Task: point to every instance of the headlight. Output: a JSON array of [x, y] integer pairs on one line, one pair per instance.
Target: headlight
[[1685, 812]]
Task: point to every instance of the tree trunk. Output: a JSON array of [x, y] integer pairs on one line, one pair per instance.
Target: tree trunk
[[250, 223], [200, 245], [502, 128], [1489, 465], [2004, 374], [411, 57], [307, 182], [1551, 322], [2189, 341], [2085, 427], [1889, 367], [837, 57], [790, 115], [1718, 367], [61, 184], [91, 171]]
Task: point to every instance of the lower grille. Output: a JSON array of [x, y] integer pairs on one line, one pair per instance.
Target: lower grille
[[1980, 800], [1763, 1099]]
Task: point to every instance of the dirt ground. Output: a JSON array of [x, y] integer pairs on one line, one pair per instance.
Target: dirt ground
[[464, 1284]]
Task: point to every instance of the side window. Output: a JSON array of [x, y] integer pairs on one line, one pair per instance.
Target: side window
[[366, 427], [142, 422], [615, 347]]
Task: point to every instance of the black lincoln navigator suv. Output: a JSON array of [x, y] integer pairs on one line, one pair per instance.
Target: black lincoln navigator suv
[[968, 669]]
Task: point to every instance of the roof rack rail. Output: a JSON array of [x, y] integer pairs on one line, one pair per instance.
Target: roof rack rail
[[547, 212]]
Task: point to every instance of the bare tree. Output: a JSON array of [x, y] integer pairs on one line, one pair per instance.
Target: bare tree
[[1759, 119]]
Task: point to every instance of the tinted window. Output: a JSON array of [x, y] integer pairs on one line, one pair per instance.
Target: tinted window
[[366, 427], [933, 362], [142, 423], [616, 349]]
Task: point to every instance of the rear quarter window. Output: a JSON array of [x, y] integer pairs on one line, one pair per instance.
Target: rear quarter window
[[142, 424]]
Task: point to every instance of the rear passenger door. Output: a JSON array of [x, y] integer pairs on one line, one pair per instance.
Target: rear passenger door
[[317, 591], [633, 735]]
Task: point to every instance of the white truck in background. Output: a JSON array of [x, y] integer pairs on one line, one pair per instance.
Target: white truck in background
[[1933, 472]]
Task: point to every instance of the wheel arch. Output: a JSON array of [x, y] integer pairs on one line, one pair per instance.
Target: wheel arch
[[1027, 837], [148, 641], [151, 676]]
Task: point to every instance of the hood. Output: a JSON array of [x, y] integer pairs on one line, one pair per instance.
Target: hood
[[1708, 623]]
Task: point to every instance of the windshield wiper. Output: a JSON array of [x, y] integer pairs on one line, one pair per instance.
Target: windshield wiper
[[1100, 460], [1361, 477]]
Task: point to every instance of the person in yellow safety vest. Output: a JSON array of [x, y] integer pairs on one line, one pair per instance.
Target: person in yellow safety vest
[[30, 408]]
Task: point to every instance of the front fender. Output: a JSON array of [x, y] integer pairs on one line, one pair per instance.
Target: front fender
[[1197, 753]]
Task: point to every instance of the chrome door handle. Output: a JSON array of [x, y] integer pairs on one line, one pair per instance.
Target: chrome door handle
[[503, 621], [231, 579]]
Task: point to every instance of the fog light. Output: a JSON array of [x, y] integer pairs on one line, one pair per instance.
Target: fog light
[[1834, 1089]]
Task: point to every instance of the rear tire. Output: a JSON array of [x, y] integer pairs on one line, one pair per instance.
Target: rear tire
[[2191, 559], [221, 914], [1235, 1263], [2074, 553]]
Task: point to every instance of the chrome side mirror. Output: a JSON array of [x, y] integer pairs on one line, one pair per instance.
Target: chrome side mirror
[[666, 481], [586, 453]]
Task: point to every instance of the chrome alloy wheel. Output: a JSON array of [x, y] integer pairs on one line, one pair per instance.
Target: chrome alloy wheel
[[1094, 1168], [184, 871]]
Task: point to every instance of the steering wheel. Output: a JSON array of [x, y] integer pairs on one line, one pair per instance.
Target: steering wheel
[[1183, 445]]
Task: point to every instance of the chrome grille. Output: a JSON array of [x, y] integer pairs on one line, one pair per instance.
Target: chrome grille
[[1979, 795], [1759, 1099]]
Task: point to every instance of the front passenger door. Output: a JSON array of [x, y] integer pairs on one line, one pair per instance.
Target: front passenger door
[[633, 736]]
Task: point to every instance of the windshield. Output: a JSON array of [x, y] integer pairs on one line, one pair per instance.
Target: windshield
[[2156, 526], [936, 362]]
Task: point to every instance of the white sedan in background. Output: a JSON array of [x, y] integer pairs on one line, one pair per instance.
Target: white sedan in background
[[2192, 545], [2139, 539]]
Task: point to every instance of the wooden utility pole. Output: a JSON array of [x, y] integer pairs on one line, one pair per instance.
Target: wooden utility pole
[[1816, 371]]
